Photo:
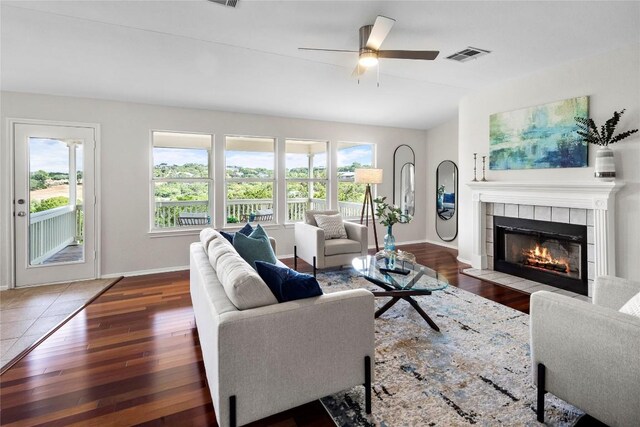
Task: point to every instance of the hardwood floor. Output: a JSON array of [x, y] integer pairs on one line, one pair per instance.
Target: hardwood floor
[[133, 358]]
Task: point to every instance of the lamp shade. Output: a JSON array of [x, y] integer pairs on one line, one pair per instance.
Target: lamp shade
[[368, 176]]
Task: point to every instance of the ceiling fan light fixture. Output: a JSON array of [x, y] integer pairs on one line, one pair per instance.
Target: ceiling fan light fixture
[[368, 59]]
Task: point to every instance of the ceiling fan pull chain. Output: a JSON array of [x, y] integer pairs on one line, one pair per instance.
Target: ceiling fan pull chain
[[378, 72]]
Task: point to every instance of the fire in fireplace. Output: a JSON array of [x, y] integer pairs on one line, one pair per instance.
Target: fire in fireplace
[[547, 252]]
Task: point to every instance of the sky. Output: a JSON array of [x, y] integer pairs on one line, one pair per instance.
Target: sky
[[50, 155], [248, 159]]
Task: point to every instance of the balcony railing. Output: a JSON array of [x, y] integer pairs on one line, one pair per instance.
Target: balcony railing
[[52, 230], [167, 213]]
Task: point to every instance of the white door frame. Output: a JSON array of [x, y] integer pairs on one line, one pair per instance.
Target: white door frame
[[9, 178]]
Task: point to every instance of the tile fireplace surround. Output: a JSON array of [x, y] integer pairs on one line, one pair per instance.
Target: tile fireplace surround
[[584, 203]]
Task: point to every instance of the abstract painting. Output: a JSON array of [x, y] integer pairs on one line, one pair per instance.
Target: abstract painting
[[539, 137]]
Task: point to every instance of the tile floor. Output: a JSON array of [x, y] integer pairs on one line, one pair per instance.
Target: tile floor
[[26, 314], [519, 283]]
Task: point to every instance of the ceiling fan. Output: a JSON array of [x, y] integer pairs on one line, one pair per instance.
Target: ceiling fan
[[371, 38]]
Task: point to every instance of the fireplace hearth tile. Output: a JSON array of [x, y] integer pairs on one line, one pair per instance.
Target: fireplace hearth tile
[[523, 285], [566, 293], [542, 213], [509, 280], [578, 216], [526, 211], [583, 298], [498, 209], [559, 214], [541, 287], [511, 210]]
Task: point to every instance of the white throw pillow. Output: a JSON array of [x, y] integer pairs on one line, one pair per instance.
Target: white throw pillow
[[632, 306], [332, 225], [206, 236]]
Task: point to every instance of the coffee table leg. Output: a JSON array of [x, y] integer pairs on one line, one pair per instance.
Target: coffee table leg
[[387, 306], [419, 309]]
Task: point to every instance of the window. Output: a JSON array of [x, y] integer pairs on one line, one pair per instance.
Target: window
[[352, 156], [250, 179], [181, 181], [306, 176]]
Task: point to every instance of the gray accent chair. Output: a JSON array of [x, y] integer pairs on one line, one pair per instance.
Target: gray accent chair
[[588, 354], [311, 246]]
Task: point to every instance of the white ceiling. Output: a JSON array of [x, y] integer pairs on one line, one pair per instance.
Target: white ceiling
[[199, 54]]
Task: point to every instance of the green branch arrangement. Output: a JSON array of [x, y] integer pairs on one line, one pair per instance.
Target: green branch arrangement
[[588, 130], [389, 215]]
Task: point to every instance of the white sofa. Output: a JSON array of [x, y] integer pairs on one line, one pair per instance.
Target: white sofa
[[263, 360], [589, 354]]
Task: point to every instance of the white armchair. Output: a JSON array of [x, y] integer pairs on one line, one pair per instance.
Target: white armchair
[[311, 246], [588, 354]]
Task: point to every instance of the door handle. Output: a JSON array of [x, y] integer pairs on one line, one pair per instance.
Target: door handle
[[21, 213]]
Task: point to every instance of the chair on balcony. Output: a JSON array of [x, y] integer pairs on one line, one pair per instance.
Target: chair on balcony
[[187, 218], [311, 246], [260, 215]]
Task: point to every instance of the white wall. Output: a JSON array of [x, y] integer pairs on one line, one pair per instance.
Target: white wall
[[442, 144], [124, 155], [612, 82]]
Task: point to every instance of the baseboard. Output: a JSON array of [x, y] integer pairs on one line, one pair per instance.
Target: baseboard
[[445, 244], [464, 261], [144, 272]]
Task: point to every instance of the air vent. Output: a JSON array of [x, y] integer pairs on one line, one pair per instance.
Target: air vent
[[468, 54], [230, 3]]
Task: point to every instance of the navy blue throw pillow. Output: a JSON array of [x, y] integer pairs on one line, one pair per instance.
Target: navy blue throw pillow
[[228, 236], [246, 230], [287, 284]]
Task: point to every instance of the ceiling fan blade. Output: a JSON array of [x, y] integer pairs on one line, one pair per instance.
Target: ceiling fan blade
[[408, 54], [379, 32], [358, 71], [327, 50]]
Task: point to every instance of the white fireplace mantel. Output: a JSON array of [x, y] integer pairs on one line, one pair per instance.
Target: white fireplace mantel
[[593, 195]]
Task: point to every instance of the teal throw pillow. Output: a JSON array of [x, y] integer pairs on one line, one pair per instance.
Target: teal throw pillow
[[253, 249]]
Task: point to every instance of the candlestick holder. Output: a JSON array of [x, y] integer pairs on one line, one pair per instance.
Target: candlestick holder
[[483, 169], [475, 155]]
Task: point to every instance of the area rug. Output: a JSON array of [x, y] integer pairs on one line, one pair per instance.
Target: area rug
[[28, 315], [475, 371]]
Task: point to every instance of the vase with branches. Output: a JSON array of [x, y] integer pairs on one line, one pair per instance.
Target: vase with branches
[[603, 137], [389, 215]]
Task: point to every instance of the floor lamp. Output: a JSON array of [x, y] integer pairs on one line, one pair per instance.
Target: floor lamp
[[368, 177]]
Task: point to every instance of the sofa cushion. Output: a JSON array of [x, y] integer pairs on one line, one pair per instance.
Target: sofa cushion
[[218, 248], [632, 306], [341, 246], [287, 284], [332, 225], [253, 249], [310, 216], [241, 283], [206, 236]]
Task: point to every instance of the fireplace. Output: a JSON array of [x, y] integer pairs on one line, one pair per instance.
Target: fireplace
[[547, 252]]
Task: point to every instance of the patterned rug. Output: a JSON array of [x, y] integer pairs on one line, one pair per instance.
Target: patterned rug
[[475, 371]]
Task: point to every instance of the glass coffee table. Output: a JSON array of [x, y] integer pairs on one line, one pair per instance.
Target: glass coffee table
[[420, 280]]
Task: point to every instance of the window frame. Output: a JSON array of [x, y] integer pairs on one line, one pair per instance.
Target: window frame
[[309, 180], [273, 180], [153, 180]]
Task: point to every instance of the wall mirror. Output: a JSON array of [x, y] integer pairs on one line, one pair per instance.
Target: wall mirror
[[447, 200], [404, 195]]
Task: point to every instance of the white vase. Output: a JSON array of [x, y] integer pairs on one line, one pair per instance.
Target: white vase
[[605, 164]]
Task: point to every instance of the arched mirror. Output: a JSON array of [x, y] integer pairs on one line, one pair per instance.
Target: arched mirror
[[404, 194], [447, 200]]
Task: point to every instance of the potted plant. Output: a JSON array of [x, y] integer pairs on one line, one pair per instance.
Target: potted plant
[[440, 198], [587, 129]]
